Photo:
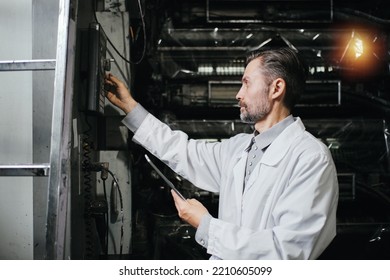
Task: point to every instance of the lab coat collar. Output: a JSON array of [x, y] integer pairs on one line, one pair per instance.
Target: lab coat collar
[[279, 147]]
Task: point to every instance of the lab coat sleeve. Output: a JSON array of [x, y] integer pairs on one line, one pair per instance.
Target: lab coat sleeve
[[135, 117], [196, 160], [303, 219]]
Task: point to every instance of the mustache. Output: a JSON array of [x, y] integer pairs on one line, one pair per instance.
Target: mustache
[[241, 104]]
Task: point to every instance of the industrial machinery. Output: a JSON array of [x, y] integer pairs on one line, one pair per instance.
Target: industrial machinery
[[192, 72], [186, 60]]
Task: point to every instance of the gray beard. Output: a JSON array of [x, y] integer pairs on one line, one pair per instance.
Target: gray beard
[[245, 118], [263, 109], [253, 118]]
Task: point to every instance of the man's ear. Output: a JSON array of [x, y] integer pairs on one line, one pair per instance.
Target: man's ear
[[278, 88]]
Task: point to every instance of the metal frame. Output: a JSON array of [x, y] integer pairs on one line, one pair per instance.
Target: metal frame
[[337, 95], [208, 12], [24, 169], [59, 171], [28, 65]]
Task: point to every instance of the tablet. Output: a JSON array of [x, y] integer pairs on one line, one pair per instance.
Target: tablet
[[169, 183]]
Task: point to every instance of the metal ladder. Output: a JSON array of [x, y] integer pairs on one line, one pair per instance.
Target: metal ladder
[[58, 169]]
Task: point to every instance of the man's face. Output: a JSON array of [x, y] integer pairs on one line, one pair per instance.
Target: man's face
[[253, 97]]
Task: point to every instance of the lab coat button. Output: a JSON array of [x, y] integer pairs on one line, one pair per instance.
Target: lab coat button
[[202, 242], [250, 164]]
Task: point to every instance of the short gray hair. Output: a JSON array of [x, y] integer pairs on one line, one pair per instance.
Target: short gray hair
[[286, 64]]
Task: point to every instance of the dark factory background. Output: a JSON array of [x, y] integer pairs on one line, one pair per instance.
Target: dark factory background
[[183, 61]]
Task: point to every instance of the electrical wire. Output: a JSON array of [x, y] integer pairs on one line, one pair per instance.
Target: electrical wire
[[114, 47], [87, 166], [106, 218], [144, 32], [122, 214]]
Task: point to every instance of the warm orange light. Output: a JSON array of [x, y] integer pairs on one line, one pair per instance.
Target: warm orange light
[[358, 47], [354, 48], [359, 54]]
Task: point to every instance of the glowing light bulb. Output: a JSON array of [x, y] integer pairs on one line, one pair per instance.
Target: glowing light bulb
[[358, 47]]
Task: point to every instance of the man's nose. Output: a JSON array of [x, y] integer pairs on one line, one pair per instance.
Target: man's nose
[[239, 94]]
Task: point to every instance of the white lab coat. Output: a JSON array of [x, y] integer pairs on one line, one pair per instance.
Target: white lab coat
[[288, 208]]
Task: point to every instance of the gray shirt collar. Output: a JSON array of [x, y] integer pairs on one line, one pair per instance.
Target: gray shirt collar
[[264, 139]]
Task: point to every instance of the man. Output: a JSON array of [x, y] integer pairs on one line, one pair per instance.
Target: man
[[277, 187]]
